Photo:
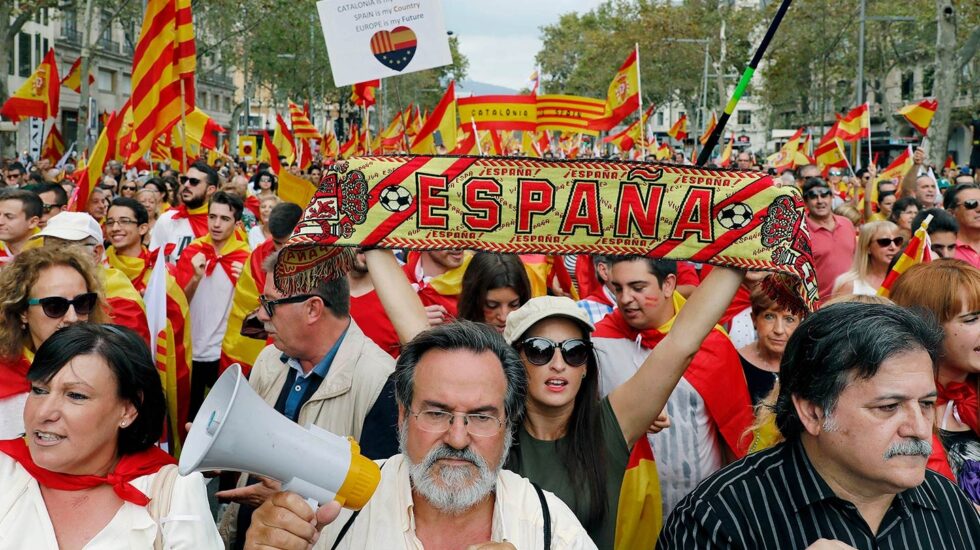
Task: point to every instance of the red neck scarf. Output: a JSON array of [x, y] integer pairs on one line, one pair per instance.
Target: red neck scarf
[[234, 250], [13, 376], [198, 218], [127, 469], [964, 396], [615, 326]]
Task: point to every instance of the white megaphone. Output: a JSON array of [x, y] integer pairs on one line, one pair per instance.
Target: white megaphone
[[236, 430]]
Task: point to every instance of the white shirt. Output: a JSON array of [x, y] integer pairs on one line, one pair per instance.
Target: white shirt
[[209, 314], [25, 523], [168, 230], [12, 416], [388, 521]]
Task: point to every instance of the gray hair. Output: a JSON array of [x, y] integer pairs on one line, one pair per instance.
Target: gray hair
[[335, 293], [468, 336], [841, 343]]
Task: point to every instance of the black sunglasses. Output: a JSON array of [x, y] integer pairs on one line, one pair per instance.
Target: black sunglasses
[[539, 351], [56, 307], [131, 187], [190, 180], [270, 305], [970, 204], [817, 194], [897, 241], [46, 208]]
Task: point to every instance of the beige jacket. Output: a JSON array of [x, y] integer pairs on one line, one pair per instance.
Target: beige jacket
[[355, 379]]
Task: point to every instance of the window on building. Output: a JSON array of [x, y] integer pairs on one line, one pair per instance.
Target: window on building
[[744, 117], [11, 59], [106, 80], [907, 81], [928, 79], [660, 118], [126, 84], [24, 66]]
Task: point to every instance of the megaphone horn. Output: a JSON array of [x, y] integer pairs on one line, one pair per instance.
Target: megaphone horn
[[237, 430]]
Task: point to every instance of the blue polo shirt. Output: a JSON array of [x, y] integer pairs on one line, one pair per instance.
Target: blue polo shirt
[[301, 382]]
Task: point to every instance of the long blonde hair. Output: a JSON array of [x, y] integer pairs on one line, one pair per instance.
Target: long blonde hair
[[861, 265]]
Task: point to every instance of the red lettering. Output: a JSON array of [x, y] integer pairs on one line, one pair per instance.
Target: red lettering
[[534, 198], [695, 215], [480, 195], [583, 209], [638, 211], [433, 202]]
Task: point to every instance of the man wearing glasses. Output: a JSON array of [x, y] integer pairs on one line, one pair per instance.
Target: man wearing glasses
[[831, 236], [20, 213], [320, 369], [963, 202], [53, 199], [16, 175], [460, 389], [177, 227]]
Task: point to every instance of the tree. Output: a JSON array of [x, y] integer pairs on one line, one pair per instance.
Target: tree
[[950, 61]]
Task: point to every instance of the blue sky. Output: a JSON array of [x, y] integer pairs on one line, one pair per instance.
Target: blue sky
[[501, 37]]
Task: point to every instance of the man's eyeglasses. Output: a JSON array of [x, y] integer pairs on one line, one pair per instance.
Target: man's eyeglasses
[[477, 424], [128, 188], [192, 181], [970, 204], [13, 176], [270, 305], [817, 194], [539, 351], [885, 243], [943, 250], [47, 208], [56, 307], [121, 221]]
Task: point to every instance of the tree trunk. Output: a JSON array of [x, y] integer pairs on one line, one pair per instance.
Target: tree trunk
[[946, 78], [233, 128], [81, 134]]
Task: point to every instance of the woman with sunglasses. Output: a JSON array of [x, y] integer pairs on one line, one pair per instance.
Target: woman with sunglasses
[[877, 244], [89, 473], [494, 285], [571, 442], [42, 290], [902, 214]]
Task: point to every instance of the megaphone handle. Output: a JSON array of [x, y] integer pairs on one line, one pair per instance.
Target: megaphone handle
[[314, 505], [314, 494]]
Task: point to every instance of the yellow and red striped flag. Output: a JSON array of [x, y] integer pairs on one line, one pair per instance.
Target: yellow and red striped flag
[[708, 129], [915, 253], [302, 127], [920, 114], [54, 145], [623, 95], [679, 130], [163, 72], [568, 113], [726, 156], [855, 125], [38, 96], [73, 80], [640, 514], [349, 147], [443, 120], [330, 148], [363, 93]]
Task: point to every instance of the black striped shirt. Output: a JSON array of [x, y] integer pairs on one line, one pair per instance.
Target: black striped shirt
[[775, 499]]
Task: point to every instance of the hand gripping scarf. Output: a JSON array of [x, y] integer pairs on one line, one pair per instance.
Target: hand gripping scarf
[[529, 206]]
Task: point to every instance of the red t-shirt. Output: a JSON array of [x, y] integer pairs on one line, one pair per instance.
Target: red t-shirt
[[833, 251], [370, 316]]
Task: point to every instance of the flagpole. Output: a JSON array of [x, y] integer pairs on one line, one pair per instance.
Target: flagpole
[[183, 128], [639, 94], [743, 83], [476, 136], [867, 110]]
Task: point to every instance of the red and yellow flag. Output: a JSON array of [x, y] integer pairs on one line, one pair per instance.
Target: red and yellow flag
[[54, 145], [920, 114], [442, 120], [283, 140], [899, 167], [499, 112], [302, 127], [830, 154], [73, 80], [679, 130], [712, 122], [568, 113], [915, 253], [855, 125], [163, 71], [633, 135], [950, 163], [88, 176], [726, 156], [236, 348], [623, 96], [201, 130], [330, 148], [349, 147], [38, 96], [363, 93], [640, 514]]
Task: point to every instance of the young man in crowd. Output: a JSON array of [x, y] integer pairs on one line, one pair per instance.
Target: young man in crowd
[[831, 236], [176, 228], [20, 214]]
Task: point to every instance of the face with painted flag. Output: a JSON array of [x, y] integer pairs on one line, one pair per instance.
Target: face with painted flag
[[644, 302]]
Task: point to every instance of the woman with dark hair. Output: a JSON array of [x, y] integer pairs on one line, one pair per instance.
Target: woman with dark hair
[[264, 184], [88, 473], [493, 286], [773, 324], [903, 212]]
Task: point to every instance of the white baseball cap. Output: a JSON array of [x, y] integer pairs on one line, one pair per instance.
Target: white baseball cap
[[71, 226], [543, 307]]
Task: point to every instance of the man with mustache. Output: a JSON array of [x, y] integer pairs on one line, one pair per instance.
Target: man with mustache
[[856, 407], [460, 390]]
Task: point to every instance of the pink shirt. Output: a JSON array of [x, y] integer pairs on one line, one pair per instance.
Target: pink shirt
[[833, 251], [966, 253]]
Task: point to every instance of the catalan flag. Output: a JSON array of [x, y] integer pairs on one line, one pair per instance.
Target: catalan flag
[[726, 156], [330, 148], [679, 130], [568, 113], [236, 348], [443, 120], [38, 96], [349, 147], [623, 96], [395, 49], [920, 114], [640, 514], [73, 80], [712, 122], [500, 112], [163, 71], [54, 145], [915, 253], [855, 125], [302, 127]]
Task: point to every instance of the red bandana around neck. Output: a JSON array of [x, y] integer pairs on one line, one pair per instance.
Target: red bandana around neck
[[198, 218], [964, 396], [615, 326], [13, 376], [235, 250], [127, 469]]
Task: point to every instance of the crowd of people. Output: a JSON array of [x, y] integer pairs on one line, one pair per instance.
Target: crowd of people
[[501, 403]]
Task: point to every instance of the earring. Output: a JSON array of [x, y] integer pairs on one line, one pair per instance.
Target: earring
[[123, 424], [583, 375]]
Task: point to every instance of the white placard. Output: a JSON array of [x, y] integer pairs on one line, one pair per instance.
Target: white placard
[[369, 39], [36, 137]]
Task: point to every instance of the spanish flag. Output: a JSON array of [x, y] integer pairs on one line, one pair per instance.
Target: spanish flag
[[633, 135], [73, 79], [88, 176], [899, 167], [679, 130], [915, 253], [54, 145], [236, 348], [623, 95], [38, 96], [855, 125], [363, 93], [442, 120], [708, 129], [201, 132], [640, 514], [467, 145], [726, 156], [920, 114], [950, 163], [829, 154]]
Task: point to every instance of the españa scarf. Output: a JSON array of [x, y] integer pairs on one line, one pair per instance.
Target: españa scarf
[[715, 372], [127, 469], [198, 218], [558, 207], [13, 375], [234, 250]]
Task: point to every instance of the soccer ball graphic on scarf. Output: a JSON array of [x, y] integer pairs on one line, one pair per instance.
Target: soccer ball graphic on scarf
[[395, 198], [735, 216]]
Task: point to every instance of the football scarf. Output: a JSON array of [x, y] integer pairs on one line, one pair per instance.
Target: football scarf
[[531, 206]]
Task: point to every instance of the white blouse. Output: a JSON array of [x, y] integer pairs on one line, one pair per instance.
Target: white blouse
[[24, 520]]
